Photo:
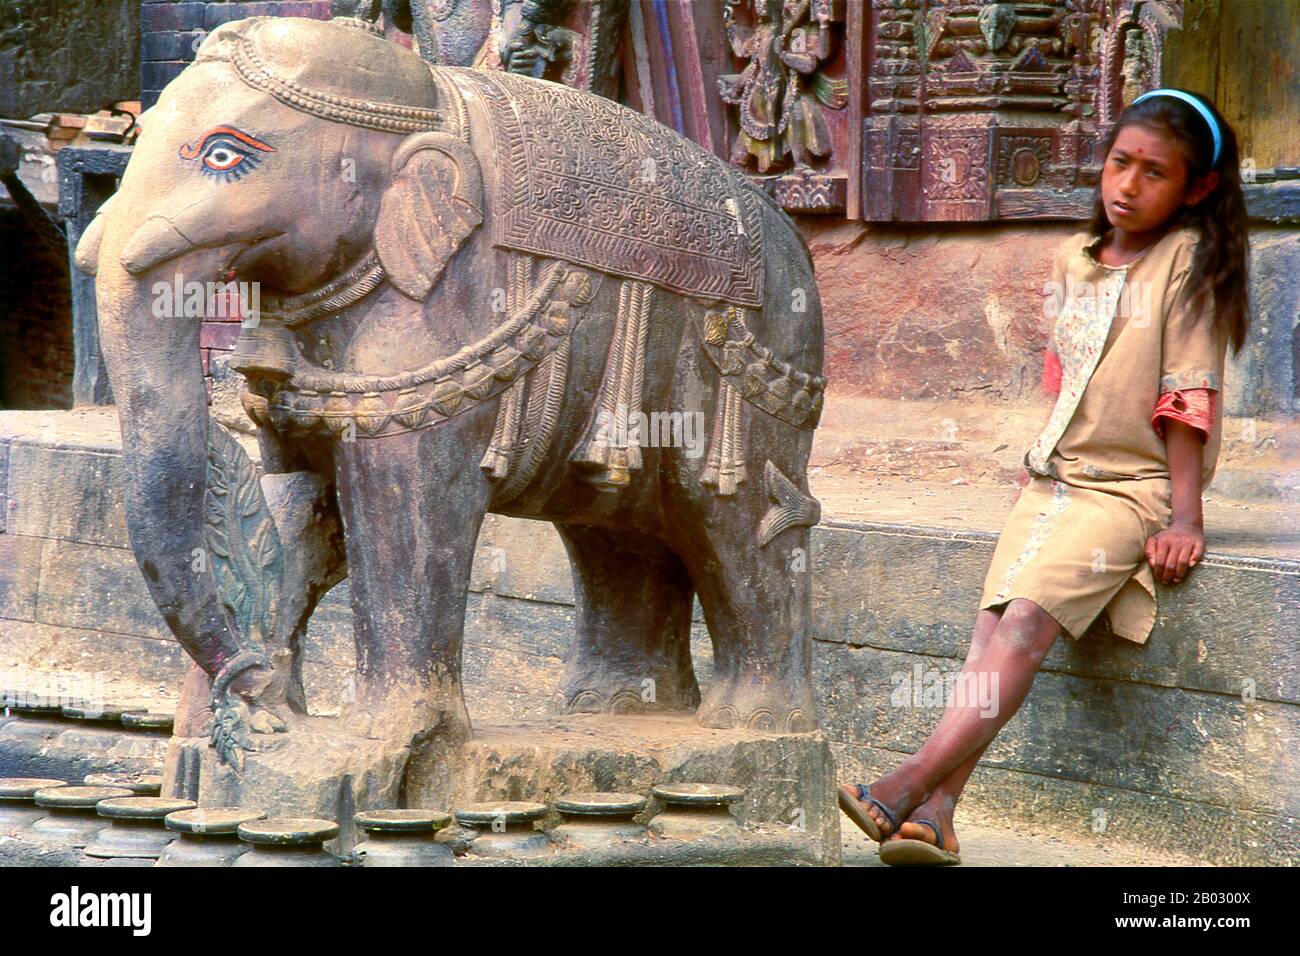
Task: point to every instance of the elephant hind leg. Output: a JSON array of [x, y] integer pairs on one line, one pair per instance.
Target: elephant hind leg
[[632, 651], [757, 602]]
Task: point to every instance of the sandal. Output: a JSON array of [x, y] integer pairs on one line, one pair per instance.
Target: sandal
[[910, 852], [852, 797]]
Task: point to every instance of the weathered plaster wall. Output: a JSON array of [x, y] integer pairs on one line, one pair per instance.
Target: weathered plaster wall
[[952, 311], [933, 312]]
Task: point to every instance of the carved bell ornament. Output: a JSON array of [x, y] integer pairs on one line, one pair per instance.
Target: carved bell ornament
[[265, 350]]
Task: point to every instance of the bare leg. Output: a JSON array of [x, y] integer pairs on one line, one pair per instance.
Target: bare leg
[[939, 807], [986, 623], [1019, 642]]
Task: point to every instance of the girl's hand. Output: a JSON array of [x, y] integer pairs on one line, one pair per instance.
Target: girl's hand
[[1174, 550]]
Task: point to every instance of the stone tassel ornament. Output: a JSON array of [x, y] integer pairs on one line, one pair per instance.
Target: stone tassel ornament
[[613, 447], [496, 462], [505, 434], [541, 415], [724, 468]]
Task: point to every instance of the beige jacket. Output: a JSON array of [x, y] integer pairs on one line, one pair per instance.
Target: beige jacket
[[1125, 336]]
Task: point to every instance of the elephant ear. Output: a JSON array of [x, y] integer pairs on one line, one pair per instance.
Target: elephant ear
[[432, 205]]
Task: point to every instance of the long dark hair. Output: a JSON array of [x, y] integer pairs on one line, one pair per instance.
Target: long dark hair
[[1219, 264]]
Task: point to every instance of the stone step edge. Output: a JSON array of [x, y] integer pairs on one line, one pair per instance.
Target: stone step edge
[[1282, 565]]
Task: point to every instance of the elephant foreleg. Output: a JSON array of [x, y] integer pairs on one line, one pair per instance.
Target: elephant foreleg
[[412, 505]]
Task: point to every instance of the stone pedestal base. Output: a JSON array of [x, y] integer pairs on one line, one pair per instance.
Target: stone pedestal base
[[789, 812], [316, 769], [788, 779]]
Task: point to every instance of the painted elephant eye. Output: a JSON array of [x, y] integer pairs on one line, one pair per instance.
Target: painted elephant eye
[[226, 153], [221, 158], [226, 161]]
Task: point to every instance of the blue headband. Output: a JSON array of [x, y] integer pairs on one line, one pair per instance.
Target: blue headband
[[1200, 108]]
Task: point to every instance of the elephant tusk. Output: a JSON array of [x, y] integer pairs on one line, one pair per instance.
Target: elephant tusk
[[87, 253], [154, 242]]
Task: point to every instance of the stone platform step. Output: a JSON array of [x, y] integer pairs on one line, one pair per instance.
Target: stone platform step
[[981, 846], [70, 750], [787, 779], [755, 846]]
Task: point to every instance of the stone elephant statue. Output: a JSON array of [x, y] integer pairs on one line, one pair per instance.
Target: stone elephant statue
[[479, 292]]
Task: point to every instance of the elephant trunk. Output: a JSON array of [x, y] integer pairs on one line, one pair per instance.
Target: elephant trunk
[[155, 370]]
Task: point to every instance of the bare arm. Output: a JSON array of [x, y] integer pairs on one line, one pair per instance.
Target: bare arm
[[1181, 545]]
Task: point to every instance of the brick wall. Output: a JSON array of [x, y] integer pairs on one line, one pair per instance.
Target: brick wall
[[35, 321], [172, 30]]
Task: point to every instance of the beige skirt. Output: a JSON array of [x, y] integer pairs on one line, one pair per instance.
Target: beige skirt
[[1078, 551]]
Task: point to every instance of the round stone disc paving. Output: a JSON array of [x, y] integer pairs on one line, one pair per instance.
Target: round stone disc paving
[[138, 720], [601, 804], [698, 794], [78, 798], [35, 706], [288, 831], [140, 784], [513, 811], [105, 711], [24, 788], [212, 819], [141, 808], [402, 821]]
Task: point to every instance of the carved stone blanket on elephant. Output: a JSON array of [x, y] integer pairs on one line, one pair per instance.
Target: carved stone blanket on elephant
[[603, 186]]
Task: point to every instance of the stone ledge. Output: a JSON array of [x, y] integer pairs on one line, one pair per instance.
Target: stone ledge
[[1209, 748], [924, 584], [67, 750]]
